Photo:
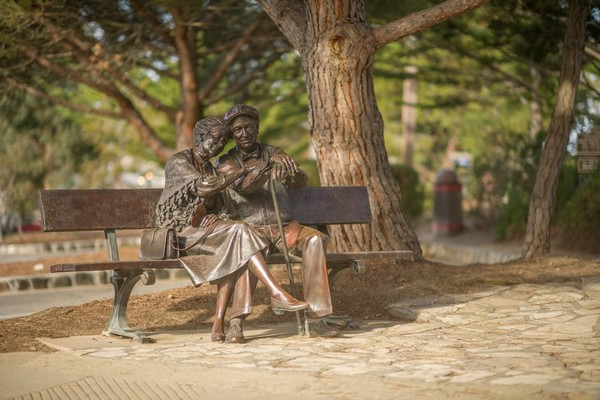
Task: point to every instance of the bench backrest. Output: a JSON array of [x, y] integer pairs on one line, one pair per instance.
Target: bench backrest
[[100, 209]]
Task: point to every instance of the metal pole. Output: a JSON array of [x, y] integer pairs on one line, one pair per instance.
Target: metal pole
[[286, 255]]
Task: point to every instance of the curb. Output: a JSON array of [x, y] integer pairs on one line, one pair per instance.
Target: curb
[[62, 247], [63, 280], [467, 254]]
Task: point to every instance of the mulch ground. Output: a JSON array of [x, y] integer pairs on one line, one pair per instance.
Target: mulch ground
[[363, 297]]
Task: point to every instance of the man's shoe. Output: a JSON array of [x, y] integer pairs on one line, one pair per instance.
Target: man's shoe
[[341, 322], [235, 334], [322, 329]]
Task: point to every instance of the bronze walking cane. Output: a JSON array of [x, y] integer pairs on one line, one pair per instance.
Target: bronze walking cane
[[300, 321]]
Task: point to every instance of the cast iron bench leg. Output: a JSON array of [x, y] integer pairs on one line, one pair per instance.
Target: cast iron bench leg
[[123, 283], [356, 266]]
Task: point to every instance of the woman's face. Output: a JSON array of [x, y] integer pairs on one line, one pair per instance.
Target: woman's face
[[215, 141]]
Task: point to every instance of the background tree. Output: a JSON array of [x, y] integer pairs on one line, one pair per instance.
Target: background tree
[[537, 239], [151, 64], [337, 47], [39, 148]]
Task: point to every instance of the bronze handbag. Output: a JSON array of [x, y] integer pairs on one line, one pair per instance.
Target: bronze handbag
[[159, 244]]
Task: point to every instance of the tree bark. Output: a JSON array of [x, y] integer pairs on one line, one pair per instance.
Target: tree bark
[[535, 104], [537, 237]]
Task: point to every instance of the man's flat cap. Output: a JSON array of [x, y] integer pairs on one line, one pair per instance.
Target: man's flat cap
[[241, 109]]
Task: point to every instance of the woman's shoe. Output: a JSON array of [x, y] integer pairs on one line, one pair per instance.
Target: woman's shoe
[[217, 337], [280, 306]]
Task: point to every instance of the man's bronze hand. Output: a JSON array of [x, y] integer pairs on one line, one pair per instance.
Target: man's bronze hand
[[283, 166]]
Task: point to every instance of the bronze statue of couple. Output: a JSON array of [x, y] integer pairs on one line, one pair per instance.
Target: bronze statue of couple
[[225, 212]]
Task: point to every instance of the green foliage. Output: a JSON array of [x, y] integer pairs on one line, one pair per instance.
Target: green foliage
[[514, 170], [310, 167], [411, 189], [579, 221], [40, 148], [567, 185], [512, 219]]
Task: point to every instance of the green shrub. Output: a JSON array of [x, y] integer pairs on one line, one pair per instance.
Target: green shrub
[[567, 185], [413, 193], [579, 221], [512, 219]]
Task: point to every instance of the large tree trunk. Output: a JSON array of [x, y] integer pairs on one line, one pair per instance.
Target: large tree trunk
[[346, 126], [537, 237], [337, 48]]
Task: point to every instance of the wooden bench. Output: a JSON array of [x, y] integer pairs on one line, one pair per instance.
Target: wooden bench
[[110, 210]]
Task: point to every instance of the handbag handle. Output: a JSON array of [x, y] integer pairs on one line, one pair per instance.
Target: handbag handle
[[200, 239]]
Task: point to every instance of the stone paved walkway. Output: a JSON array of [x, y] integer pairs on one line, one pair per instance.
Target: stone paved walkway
[[525, 341]]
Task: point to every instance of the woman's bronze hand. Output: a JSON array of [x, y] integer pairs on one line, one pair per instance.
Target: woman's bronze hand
[[208, 220]]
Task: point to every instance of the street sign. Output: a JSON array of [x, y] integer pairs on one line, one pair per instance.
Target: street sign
[[588, 152]]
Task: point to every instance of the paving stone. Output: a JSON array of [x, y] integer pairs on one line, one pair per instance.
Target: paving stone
[[499, 342]]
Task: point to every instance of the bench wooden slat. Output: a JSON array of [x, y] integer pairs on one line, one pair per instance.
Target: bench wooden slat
[[331, 205], [116, 265], [332, 260], [98, 209]]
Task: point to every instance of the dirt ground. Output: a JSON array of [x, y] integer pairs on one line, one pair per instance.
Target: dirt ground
[[363, 297]]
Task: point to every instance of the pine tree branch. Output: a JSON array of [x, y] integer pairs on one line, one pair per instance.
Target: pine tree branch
[[229, 58], [153, 22], [290, 18], [62, 102], [67, 73], [128, 110], [81, 50], [421, 20]]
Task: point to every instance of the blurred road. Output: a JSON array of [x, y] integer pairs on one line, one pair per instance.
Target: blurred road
[[21, 303]]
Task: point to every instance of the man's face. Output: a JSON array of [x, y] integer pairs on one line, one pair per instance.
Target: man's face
[[244, 130], [214, 143]]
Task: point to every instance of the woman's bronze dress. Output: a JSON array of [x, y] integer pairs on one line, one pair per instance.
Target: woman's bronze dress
[[224, 247]]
